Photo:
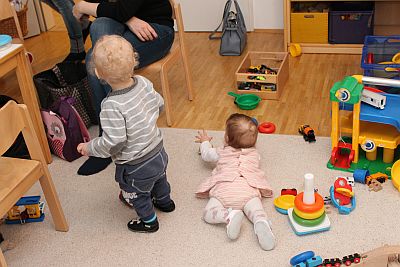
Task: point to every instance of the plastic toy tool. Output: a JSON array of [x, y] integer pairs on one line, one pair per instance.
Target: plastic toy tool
[[308, 214]]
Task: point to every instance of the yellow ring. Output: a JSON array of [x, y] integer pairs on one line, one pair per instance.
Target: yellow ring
[[295, 50], [396, 58], [309, 216]]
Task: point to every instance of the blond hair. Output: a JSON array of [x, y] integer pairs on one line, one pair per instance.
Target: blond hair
[[114, 59], [241, 131]]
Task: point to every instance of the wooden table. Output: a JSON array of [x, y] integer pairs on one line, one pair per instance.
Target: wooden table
[[14, 59]]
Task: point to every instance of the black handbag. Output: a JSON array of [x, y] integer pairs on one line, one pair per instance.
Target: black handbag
[[234, 33], [67, 79]]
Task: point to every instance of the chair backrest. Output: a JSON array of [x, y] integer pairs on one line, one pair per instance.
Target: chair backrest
[[177, 15], [7, 10], [14, 119]]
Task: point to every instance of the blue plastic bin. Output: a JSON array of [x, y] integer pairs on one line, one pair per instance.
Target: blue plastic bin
[[382, 49], [350, 27]]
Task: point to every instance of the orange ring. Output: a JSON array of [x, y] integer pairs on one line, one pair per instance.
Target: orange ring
[[266, 127], [301, 206]]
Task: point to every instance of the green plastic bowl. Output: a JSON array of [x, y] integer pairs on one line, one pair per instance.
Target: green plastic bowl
[[246, 101]]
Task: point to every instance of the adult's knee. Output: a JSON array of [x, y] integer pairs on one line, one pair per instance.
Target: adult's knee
[[100, 27]]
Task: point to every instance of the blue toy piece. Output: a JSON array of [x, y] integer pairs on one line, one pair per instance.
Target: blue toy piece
[[301, 264], [342, 209], [390, 115], [360, 175], [282, 211], [5, 40], [314, 262], [302, 257]]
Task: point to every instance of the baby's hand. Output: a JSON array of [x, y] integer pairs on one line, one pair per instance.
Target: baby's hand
[[82, 148], [202, 137]]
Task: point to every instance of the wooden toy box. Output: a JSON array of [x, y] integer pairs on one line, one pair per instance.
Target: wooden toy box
[[277, 61]]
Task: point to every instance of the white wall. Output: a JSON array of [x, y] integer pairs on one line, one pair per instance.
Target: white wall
[[268, 14], [205, 15]]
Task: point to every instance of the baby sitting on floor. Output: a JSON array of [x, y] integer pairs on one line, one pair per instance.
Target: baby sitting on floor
[[237, 183]]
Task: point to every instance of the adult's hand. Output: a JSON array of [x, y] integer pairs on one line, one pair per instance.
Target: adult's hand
[[141, 29]]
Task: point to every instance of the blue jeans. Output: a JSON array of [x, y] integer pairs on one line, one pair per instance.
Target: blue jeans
[[74, 27], [145, 181], [149, 51]]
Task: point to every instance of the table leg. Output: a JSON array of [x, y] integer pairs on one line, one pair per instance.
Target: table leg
[[30, 98]]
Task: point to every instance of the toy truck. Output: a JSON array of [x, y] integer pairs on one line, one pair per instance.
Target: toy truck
[[373, 99], [307, 132], [26, 210]]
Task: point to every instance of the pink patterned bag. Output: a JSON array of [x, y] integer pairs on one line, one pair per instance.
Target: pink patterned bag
[[64, 128]]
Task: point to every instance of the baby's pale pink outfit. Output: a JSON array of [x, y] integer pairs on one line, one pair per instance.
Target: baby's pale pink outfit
[[236, 179], [236, 185]]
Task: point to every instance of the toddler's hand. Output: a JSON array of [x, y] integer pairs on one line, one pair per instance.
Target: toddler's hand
[[82, 148], [202, 137]]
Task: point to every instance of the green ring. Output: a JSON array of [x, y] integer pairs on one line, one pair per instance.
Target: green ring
[[308, 223]]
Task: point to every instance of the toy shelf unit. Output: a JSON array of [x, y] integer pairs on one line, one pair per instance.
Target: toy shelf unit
[[263, 74], [381, 58], [333, 26]]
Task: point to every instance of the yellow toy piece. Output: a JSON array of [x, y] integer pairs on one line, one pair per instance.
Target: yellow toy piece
[[396, 58], [295, 50], [345, 192], [309, 216], [396, 175], [284, 202]]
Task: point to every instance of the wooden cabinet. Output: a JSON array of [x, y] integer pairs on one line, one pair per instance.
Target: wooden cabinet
[[386, 22]]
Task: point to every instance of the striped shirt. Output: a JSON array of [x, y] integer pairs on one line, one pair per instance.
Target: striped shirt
[[129, 121]]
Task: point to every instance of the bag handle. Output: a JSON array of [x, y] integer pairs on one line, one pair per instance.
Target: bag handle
[[239, 14], [224, 19], [56, 70]]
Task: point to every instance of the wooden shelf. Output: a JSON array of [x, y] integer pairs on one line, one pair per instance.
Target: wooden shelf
[[387, 22]]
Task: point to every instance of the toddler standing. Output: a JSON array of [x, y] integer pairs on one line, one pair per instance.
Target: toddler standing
[[130, 134], [237, 183]]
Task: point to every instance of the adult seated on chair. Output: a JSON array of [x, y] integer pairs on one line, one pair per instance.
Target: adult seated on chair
[[77, 30], [146, 24]]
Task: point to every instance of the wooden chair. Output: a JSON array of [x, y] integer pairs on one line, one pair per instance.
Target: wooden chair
[[163, 65], [7, 10], [17, 176]]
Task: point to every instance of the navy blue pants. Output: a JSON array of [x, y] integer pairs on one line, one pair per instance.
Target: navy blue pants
[[145, 181]]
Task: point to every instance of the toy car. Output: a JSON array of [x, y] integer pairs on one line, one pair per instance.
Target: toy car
[[332, 262], [307, 132]]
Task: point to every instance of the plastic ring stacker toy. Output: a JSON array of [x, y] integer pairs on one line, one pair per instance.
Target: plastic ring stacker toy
[[308, 215], [281, 211], [308, 223], [301, 206], [295, 50], [266, 127], [302, 257]]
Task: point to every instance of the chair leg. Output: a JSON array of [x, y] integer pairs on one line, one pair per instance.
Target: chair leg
[[53, 202], [166, 95], [2, 260], [188, 75]]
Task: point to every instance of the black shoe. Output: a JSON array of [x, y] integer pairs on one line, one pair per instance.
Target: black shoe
[[94, 165], [124, 201], [164, 208], [137, 225]]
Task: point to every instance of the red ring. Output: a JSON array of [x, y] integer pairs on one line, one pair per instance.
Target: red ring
[[318, 205], [266, 127]]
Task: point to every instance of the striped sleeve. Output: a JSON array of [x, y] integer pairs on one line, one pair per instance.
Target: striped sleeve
[[114, 136]]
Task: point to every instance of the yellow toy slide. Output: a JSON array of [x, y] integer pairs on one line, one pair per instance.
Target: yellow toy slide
[[396, 175]]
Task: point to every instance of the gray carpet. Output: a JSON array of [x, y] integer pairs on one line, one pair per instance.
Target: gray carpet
[[98, 234]]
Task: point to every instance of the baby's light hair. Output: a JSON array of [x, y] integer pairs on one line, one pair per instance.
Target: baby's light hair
[[241, 131], [114, 58]]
